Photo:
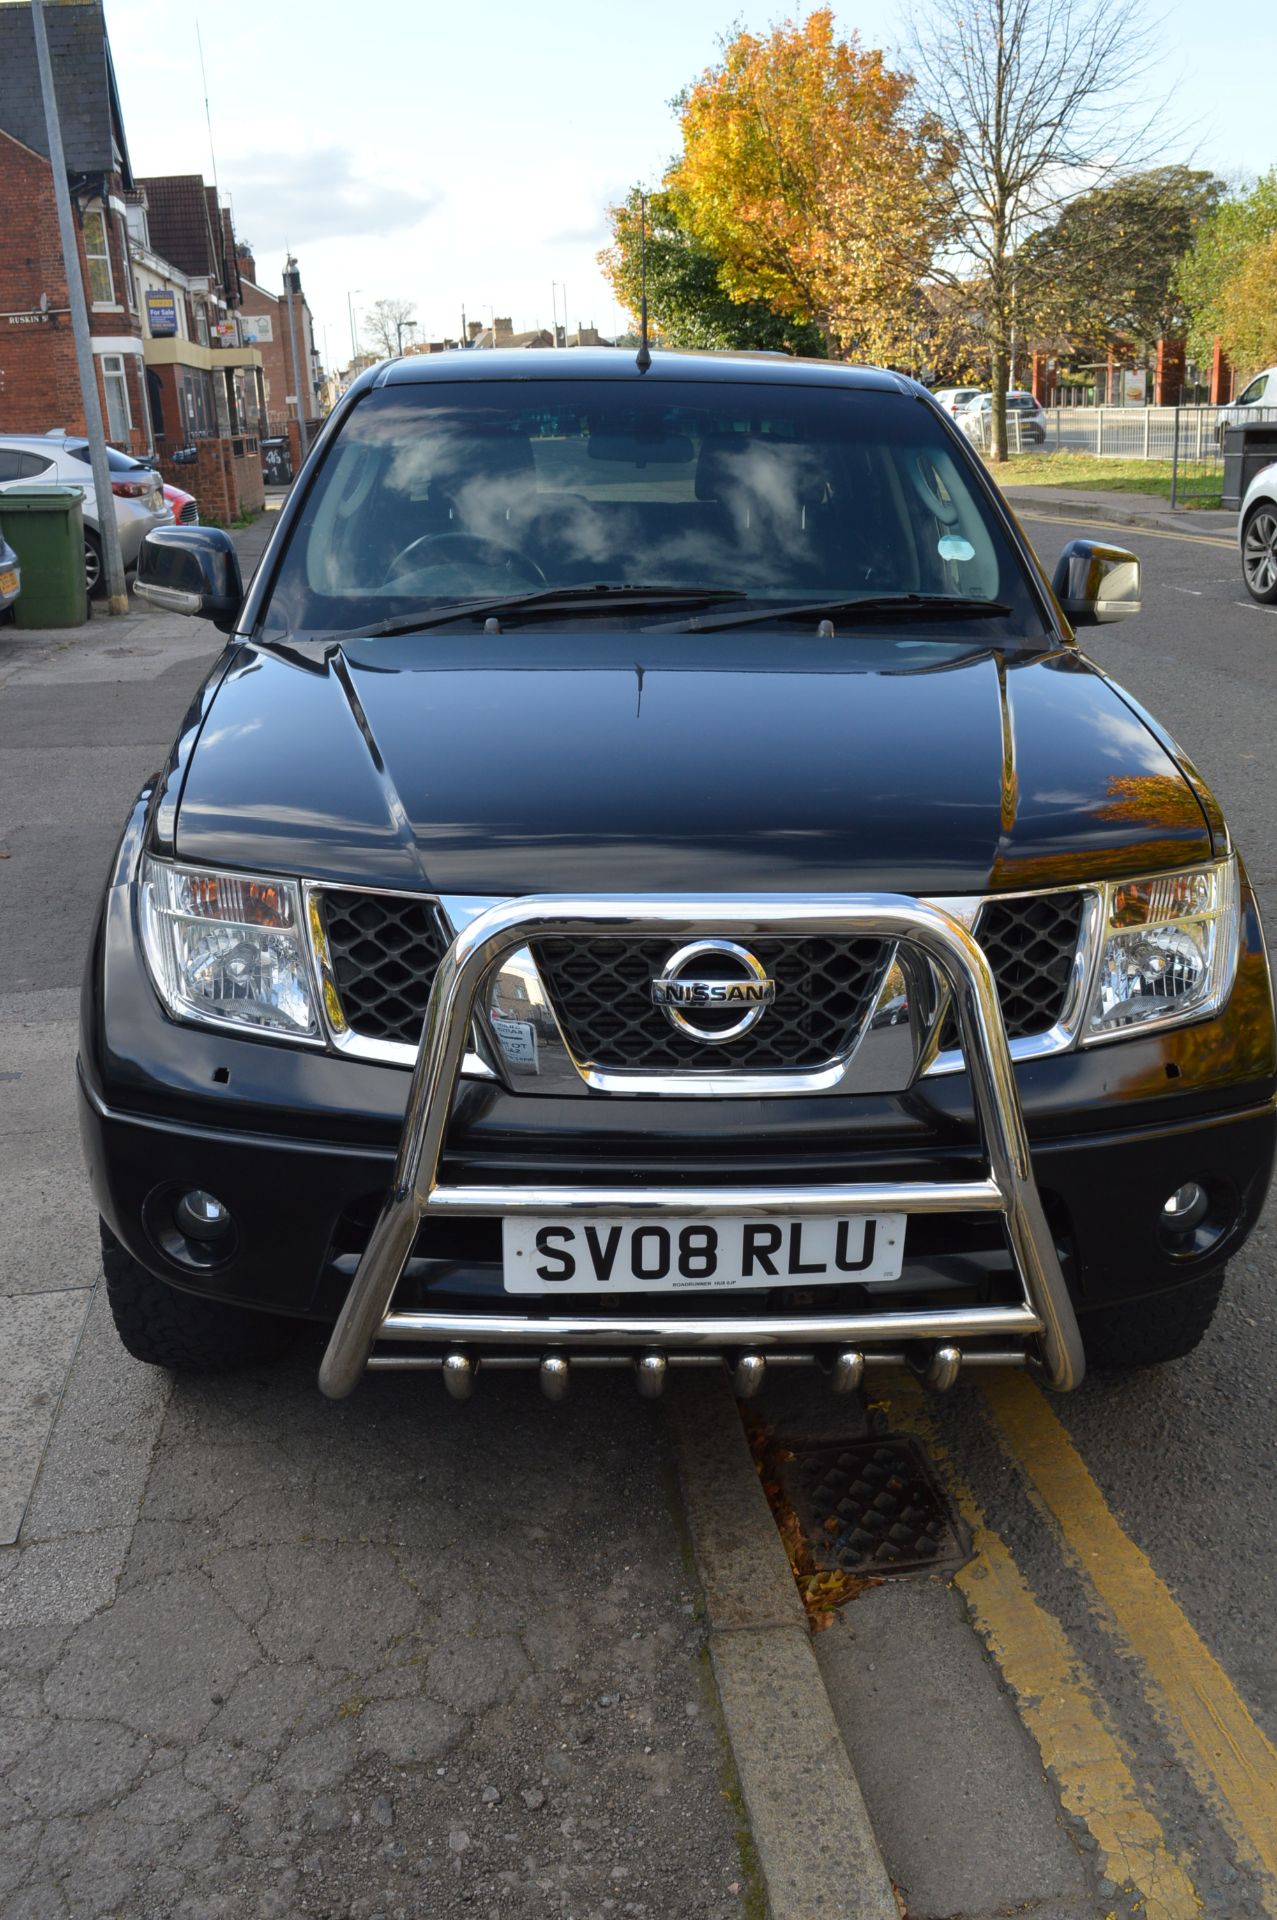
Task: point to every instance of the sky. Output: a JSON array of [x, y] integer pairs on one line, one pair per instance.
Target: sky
[[465, 156]]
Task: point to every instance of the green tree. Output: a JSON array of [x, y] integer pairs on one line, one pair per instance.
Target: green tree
[[1208, 278], [1107, 266], [688, 304]]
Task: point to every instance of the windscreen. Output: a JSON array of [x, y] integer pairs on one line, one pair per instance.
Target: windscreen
[[445, 491]]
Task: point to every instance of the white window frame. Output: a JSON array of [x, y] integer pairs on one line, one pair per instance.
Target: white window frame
[[130, 291], [113, 369], [91, 254]]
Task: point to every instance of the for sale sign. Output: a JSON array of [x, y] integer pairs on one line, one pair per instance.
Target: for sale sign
[[161, 315]]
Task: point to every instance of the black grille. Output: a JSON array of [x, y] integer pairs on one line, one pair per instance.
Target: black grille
[[602, 993], [1030, 945], [384, 949]]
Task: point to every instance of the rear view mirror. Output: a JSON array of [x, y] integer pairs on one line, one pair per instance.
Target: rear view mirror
[[1095, 583], [640, 449], [191, 570]]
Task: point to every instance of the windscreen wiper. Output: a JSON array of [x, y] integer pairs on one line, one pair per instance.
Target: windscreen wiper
[[602, 597], [892, 605]]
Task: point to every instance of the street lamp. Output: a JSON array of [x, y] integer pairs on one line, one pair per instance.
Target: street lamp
[[350, 308]]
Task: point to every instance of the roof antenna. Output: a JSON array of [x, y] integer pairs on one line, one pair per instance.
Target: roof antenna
[[643, 359]]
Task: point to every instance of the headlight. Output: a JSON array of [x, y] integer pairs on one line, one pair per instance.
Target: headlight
[[1169, 951], [227, 949]]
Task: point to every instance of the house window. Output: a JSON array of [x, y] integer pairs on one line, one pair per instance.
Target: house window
[[118, 417], [197, 403], [98, 253]]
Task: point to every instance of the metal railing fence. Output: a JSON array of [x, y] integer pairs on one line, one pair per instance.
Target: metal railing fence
[[1191, 438]]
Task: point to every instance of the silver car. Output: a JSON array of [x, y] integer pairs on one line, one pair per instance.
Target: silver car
[[1257, 536], [10, 575], [62, 459], [1026, 422]]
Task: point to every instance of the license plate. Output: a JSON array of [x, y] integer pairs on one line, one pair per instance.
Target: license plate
[[8, 583], [716, 1255]]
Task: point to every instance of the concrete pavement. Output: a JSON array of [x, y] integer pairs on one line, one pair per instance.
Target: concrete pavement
[[1119, 509], [264, 1656]]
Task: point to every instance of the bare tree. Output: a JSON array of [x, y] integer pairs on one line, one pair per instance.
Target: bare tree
[[386, 322], [1041, 102]]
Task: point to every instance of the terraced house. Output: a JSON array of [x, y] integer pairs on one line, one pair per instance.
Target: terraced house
[[39, 388]]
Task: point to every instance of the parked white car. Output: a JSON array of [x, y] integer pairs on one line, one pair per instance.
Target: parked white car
[[1257, 536], [1261, 392], [1026, 422], [953, 399], [62, 459]]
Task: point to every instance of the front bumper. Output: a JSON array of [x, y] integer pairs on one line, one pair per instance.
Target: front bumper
[[300, 1146]]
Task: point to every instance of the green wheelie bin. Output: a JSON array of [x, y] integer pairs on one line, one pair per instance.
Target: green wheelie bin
[[45, 528]]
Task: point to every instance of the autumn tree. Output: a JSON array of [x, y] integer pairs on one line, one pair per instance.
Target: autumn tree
[[688, 305], [1247, 308], [814, 183], [1107, 266], [1036, 98], [385, 324], [1227, 280]]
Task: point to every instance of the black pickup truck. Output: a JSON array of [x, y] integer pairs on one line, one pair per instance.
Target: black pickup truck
[[652, 879]]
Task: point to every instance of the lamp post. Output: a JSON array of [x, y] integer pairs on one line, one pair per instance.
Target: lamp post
[[350, 308]]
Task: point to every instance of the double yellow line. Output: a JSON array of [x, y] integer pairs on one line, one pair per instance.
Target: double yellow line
[[1229, 1759]]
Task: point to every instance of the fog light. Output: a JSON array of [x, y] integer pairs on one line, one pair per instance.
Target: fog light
[[1186, 1207], [201, 1217]]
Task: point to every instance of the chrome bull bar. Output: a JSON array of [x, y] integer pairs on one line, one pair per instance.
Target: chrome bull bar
[[1043, 1317]]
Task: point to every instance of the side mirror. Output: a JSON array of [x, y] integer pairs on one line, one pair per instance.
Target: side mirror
[[191, 570], [1095, 584]]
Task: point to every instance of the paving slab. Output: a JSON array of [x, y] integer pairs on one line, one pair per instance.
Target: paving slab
[[38, 1333]]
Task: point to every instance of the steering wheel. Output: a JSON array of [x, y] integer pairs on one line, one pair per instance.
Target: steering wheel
[[444, 549], [945, 511]]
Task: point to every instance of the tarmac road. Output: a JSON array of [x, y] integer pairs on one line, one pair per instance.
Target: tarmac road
[[1124, 1589]]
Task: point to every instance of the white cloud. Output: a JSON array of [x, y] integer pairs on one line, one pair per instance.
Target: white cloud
[[290, 198]]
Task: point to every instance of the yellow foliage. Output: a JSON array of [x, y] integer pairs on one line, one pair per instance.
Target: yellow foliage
[[1247, 307], [807, 173]]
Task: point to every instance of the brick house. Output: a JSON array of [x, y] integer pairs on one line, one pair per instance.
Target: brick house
[[214, 382], [39, 383], [264, 319]]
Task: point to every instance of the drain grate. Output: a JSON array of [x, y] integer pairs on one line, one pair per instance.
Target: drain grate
[[874, 1507]]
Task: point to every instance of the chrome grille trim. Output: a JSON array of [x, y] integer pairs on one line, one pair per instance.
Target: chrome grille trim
[[560, 1072]]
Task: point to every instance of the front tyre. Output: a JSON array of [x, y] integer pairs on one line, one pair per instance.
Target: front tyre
[[164, 1327], [1259, 553], [1148, 1333], [94, 569]]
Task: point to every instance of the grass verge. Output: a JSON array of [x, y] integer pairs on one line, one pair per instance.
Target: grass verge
[[1100, 475]]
